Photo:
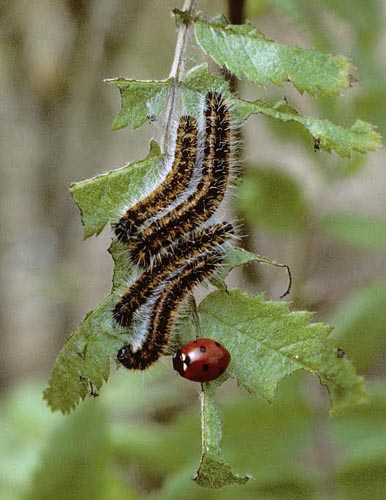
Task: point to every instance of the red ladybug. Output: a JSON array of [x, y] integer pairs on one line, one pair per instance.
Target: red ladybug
[[202, 360]]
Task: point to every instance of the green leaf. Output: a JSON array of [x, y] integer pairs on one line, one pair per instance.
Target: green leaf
[[84, 362], [360, 137], [236, 257], [139, 100], [213, 472], [197, 82], [268, 343], [103, 198], [272, 199], [360, 325], [85, 358], [245, 51], [358, 230], [199, 79]]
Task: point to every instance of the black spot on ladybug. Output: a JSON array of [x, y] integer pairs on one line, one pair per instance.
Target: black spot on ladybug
[[202, 348], [218, 344], [205, 368], [221, 371]]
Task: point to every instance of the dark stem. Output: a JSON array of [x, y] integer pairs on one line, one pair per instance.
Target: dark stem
[[236, 11], [236, 15]]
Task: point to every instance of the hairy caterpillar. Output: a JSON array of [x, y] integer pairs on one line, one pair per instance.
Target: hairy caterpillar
[[174, 184], [197, 207], [168, 235], [164, 311], [195, 243]]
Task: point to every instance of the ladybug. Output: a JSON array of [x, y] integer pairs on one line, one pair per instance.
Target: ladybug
[[202, 360]]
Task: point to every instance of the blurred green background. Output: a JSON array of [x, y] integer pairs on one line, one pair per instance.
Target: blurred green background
[[322, 215]]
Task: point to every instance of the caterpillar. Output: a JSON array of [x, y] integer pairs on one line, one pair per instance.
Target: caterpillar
[[164, 311], [168, 235], [197, 207], [197, 242], [174, 184]]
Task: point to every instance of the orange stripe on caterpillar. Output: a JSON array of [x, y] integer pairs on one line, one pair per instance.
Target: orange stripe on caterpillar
[[200, 205], [197, 242], [174, 184], [164, 312]]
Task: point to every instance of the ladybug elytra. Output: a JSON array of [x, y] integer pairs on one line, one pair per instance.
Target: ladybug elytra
[[202, 360]]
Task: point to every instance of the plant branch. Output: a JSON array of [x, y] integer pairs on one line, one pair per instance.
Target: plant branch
[[178, 66]]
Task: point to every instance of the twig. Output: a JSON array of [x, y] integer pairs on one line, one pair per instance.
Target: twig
[[177, 69]]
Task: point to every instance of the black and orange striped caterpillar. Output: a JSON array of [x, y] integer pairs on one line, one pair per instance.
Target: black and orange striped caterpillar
[[170, 235]]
